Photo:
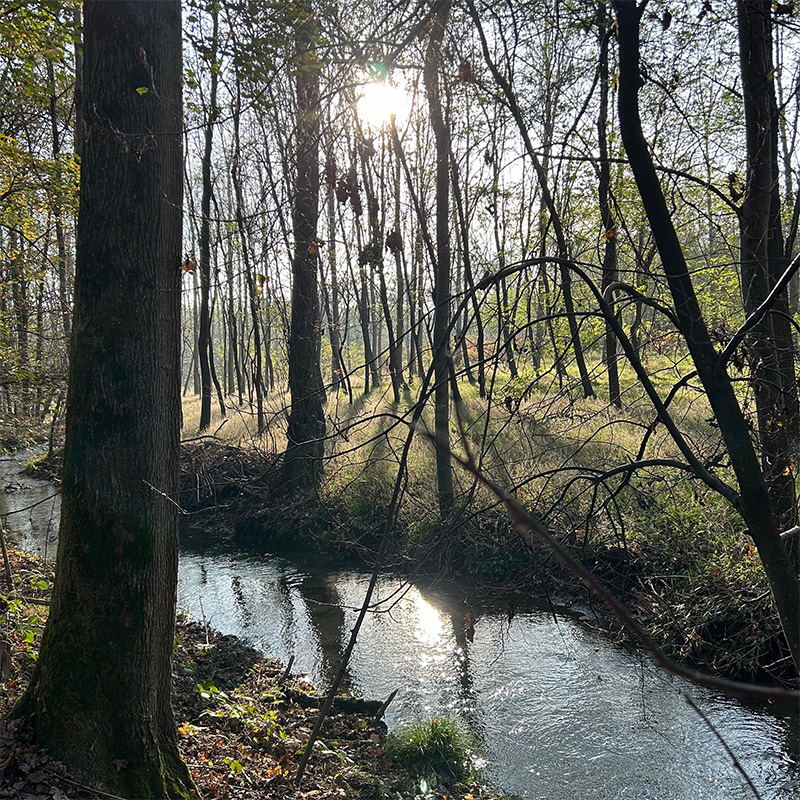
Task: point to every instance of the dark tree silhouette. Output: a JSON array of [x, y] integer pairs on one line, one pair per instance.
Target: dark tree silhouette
[[100, 695], [303, 458], [752, 499]]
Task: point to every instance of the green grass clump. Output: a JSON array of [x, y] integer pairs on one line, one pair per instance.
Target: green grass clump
[[439, 750]]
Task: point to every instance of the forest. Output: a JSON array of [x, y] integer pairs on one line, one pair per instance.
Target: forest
[[475, 317]]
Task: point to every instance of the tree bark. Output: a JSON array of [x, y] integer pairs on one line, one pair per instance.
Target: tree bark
[[204, 335], [302, 466], [441, 292], [770, 346], [77, 21], [399, 258], [100, 694], [61, 268], [606, 216], [258, 380], [337, 362]]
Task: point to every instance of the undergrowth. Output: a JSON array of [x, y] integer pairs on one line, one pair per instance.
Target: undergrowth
[[438, 751]]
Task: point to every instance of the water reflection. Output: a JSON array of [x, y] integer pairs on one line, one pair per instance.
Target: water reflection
[[29, 510], [326, 617], [429, 628], [561, 713]]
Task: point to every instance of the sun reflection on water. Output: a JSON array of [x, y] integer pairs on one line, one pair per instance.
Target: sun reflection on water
[[430, 628]]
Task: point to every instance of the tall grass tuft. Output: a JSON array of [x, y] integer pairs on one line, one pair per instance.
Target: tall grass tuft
[[438, 750]]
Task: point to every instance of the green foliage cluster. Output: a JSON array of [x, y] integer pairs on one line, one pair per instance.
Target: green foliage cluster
[[38, 190], [22, 622], [439, 750], [258, 716]]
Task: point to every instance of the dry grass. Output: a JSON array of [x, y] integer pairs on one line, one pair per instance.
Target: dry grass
[[547, 444]]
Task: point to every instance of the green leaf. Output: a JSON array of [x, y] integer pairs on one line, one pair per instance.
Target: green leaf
[[234, 765], [142, 90]]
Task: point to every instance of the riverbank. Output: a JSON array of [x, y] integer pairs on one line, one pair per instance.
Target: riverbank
[[703, 599], [243, 719]]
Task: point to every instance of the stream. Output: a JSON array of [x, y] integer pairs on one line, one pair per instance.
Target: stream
[[562, 712]]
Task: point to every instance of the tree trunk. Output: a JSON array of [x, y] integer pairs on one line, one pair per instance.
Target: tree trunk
[[234, 367], [399, 257], [22, 313], [372, 255], [753, 501], [770, 346], [100, 694], [204, 337], [258, 380], [61, 263], [418, 299], [337, 364], [441, 292], [302, 466], [211, 366], [606, 217], [362, 293], [469, 279]]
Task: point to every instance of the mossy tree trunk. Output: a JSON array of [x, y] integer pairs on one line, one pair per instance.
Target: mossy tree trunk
[[100, 695]]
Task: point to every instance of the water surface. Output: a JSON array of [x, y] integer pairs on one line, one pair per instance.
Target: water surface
[[562, 712]]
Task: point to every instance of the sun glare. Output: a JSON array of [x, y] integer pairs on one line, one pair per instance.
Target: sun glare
[[380, 100], [430, 628]]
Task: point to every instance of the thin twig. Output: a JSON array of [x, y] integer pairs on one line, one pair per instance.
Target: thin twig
[[6, 560], [760, 312], [31, 506], [725, 745], [84, 786]]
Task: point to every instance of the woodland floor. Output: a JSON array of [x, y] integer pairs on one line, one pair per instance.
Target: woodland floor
[[242, 722]]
